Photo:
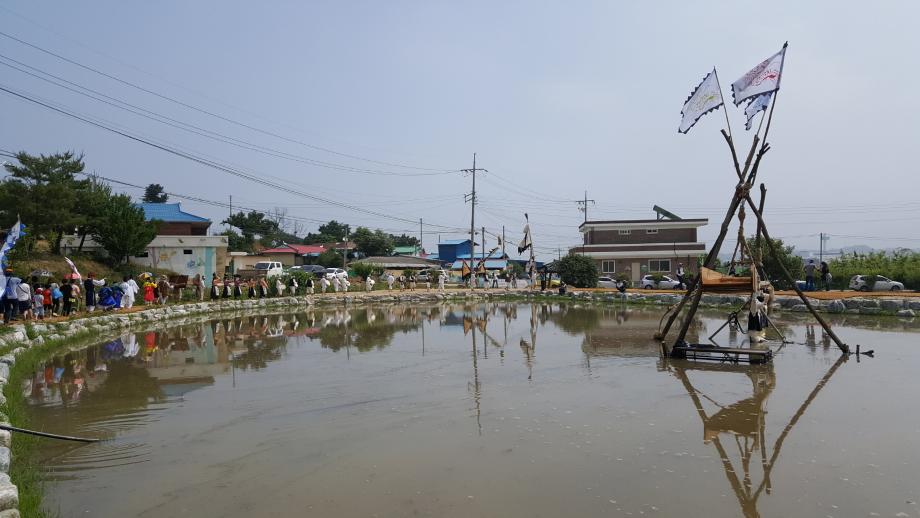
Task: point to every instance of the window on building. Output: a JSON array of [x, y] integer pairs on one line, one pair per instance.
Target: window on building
[[659, 265], [651, 231], [625, 232], [142, 255], [608, 267], [187, 251]]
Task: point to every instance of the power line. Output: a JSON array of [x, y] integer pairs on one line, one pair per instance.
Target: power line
[[212, 114], [209, 163], [191, 128]]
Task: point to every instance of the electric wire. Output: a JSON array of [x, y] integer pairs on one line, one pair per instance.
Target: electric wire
[[209, 163], [213, 114]]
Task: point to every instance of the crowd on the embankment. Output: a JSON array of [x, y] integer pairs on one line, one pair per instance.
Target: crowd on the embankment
[[36, 298]]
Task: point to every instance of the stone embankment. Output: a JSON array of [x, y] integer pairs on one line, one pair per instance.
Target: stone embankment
[[900, 307], [22, 338]]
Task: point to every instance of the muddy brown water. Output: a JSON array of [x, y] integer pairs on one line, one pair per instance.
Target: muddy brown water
[[503, 409]]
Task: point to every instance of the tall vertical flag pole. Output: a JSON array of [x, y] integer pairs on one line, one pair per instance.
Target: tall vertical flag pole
[[724, 109]]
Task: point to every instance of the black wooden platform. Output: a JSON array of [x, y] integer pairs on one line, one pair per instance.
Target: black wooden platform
[[721, 354]]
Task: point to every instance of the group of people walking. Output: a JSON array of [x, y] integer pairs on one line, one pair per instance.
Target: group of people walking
[[236, 287], [36, 300]]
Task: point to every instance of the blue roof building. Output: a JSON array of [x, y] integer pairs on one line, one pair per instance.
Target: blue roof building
[[175, 221], [449, 250]]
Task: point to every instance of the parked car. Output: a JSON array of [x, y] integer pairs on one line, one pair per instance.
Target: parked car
[[606, 282], [666, 283], [332, 273], [315, 269], [265, 269], [861, 283]]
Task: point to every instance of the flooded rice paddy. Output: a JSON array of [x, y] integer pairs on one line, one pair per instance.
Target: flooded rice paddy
[[498, 409]]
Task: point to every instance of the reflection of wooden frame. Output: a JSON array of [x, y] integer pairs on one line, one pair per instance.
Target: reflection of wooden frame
[[749, 435]]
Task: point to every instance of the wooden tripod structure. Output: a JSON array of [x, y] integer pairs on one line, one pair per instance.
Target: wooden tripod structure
[[746, 178]]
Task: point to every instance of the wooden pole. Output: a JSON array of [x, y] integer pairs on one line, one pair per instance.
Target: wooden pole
[[714, 252], [763, 198], [775, 253]]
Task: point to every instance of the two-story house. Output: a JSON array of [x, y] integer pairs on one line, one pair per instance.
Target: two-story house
[[636, 247]]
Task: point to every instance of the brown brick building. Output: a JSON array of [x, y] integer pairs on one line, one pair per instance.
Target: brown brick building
[[635, 247]]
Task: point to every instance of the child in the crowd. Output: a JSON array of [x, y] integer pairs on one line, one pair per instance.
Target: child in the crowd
[[57, 298], [149, 288], [38, 303], [47, 301]]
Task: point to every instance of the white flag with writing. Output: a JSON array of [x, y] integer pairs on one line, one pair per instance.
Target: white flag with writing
[[763, 78], [757, 105], [706, 97]]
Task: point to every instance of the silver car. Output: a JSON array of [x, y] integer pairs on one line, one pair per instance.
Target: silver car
[[331, 273], [861, 283], [606, 282], [666, 283]]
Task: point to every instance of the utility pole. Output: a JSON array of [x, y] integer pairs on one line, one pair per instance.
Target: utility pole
[[824, 237], [583, 206], [421, 238], [503, 241], [472, 199], [485, 279]]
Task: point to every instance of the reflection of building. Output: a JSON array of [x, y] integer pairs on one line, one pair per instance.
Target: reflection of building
[[635, 247], [182, 243], [185, 358]]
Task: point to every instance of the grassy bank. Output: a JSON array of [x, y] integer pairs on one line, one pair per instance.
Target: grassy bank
[[25, 470]]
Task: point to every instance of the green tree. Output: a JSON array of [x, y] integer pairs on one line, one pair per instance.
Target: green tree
[[122, 230], [236, 242], [771, 265], [93, 203], [327, 233], [154, 193], [578, 270], [256, 227], [404, 240], [44, 192], [330, 259], [376, 243]]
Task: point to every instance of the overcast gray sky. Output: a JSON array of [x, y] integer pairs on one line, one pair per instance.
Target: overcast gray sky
[[555, 98]]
